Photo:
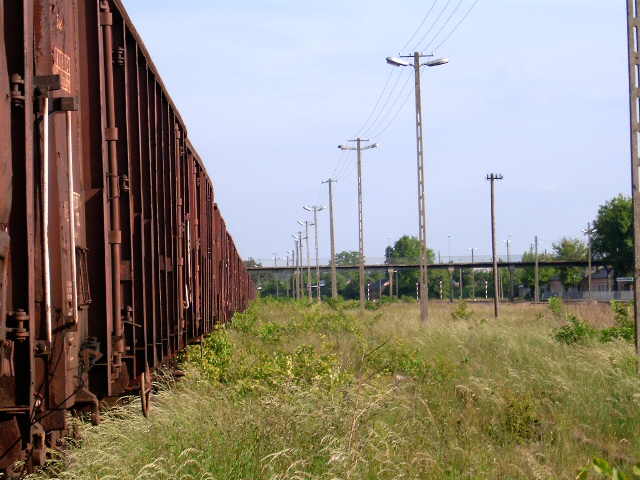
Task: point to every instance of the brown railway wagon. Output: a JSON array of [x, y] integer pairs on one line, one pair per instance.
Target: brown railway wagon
[[113, 252]]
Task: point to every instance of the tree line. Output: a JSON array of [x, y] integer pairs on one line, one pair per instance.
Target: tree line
[[611, 242]]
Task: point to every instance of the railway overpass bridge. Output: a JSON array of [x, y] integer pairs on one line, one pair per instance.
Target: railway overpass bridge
[[436, 266]]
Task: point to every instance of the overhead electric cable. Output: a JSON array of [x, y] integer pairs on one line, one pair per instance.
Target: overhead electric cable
[[386, 103], [403, 104], [373, 110], [443, 26], [433, 25], [424, 20], [455, 28]]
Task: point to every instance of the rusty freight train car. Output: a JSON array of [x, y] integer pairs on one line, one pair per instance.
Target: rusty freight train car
[[113, 252]]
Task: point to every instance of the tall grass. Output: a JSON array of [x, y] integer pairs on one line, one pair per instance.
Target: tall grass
[[297, 391]]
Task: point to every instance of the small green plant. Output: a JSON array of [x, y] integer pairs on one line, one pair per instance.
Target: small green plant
[[576, 331], [624, 328], [372, 306], [462, 311], [244, 321], [270, 332], [556, 305], [213, 356], [520, 419], [604, 469]]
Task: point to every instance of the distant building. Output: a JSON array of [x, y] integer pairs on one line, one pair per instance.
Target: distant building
[[601, 281]]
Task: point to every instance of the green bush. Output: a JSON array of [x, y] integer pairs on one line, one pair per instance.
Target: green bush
[[576, 331], [556, 305], [624, 328], [213, 356], [462, 311], [605, 470]]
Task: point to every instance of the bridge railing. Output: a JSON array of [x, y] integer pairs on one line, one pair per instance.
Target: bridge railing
[[280, 262]]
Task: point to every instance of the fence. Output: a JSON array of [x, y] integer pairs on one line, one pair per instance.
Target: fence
[[604, 296]]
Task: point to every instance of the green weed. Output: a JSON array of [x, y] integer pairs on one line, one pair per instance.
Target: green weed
[[462, 311], [296, 390], [576, 331]]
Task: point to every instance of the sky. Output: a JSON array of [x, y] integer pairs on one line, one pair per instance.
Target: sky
[[536, 90]]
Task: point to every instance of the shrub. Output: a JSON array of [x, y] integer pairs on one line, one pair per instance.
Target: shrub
[[462, 311], [556, 306], [213, 356], [624, 328], [605, 470], [576, 331]]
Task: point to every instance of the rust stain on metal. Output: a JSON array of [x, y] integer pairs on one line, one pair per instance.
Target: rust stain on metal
[[62, 67], [136, 240]]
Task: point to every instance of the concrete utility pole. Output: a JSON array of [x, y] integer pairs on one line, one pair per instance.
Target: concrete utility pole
[[492, 178], [473, 275], [461, 283], [299, 265], [287, 281], [422, 204], [315, 209], [390, 272], [294, 259], [451, 282], [359, 148], [450, 269], [536, 273], [306, 239], [509, 271], [589, 232], [633, 27], [334, 276], [275, 264]]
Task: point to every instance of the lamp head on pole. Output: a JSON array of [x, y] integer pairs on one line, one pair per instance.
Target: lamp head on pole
[[437, 62], [398, 62]]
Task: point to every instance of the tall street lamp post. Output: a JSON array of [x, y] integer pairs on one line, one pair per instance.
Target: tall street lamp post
[[422, 207]]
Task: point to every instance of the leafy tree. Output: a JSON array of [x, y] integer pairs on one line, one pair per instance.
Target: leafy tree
[[347, 258], [613, 237], [526, 276], [252, 262], [348, 280], [407, 250], [571, 249]]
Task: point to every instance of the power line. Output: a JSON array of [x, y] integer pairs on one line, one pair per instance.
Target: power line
[[433, 25], [455, 28], [429, 30], [384, 89], [383, 113], [445, 39], [395, 116], [380, 113], [386, 103], [451, 15], [424, 20]]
